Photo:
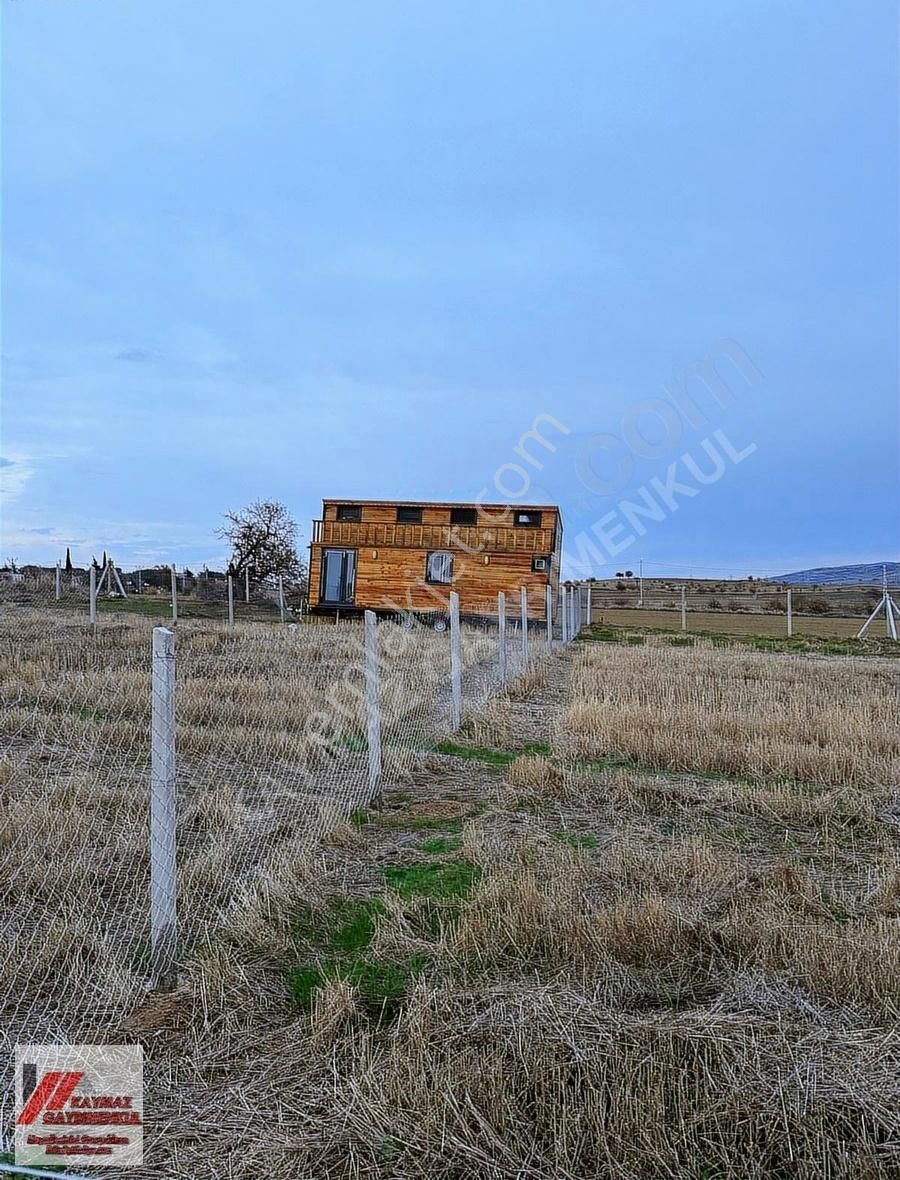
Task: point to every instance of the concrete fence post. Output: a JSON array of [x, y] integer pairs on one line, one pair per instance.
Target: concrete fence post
[[549, 609], [501, 636], [118, 580], [93, 593], [455, 664], [163, 904], [590, 605], [684, 608], [373, 704], [790, 614], [563, 622], [281, 596], [523, 604], [174, 595], [247, 585], [58, 582], [230, 600]]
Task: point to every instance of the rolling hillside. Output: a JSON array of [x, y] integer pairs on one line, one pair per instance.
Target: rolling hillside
[[844, 575]]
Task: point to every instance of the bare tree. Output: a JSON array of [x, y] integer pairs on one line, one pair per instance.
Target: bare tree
[[263, 540]]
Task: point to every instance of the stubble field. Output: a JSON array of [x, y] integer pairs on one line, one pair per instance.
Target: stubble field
[[638, 919]]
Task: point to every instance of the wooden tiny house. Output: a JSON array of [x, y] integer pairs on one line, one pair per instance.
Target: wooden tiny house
[[394, 556]]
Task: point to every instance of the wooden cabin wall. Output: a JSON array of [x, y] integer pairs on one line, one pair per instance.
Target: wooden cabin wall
[[397, 576]]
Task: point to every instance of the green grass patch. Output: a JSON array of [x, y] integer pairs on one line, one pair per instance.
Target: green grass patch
[[601, 635], [681, 641], [436, 879], [441, 844], [341, 936], [345, 926], [354, 924], [491, 757], [420, 823], [577, 839], [380, 984], [359, 819]]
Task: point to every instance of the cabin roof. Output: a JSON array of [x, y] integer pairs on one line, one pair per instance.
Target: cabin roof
[[481, 506]]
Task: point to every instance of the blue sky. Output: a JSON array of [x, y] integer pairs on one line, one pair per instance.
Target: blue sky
[[292, 250]]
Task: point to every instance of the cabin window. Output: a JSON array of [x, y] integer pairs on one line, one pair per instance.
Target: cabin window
[[350, 512], [338, 575], [540, 565], [529, 520], [464, 516], [407, 515], [439, 568]]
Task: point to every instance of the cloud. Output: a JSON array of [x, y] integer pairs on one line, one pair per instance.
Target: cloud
[[15, 472], [137, 356]]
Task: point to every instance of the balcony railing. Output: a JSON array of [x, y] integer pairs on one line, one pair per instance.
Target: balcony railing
[[473, 539]]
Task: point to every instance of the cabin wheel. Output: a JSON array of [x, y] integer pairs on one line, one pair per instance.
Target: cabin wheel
[[440, 624]]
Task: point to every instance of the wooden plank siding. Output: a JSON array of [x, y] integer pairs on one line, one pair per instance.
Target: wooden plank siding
[[487, 558]]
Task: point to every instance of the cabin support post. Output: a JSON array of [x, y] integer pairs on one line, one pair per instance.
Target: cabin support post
[[93, 593], [549, 596], [455, 664], [174, 595], [684, 608], [501, 636], [163, 904], [230, 600], [373, 708], [523, 600], [790, 614]]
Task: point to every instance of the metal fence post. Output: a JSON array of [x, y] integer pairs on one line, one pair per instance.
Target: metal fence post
[[523, 603], [58, 582], [93, 592], [281, 595], [501, 636], [684, 608], [455, 664], [373, 707], [174, 595], [163, 905], [230, 600], [549, 595], [790, 614]]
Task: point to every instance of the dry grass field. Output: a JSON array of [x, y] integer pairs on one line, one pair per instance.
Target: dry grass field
[[724, 622], [640, 918]]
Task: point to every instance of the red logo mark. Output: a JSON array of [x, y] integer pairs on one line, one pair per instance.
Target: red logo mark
[[53, 1093]]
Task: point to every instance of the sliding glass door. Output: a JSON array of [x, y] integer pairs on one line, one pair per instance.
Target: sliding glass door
[[338, 576]]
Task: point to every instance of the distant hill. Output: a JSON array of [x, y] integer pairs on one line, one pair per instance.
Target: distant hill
[[844, 575]]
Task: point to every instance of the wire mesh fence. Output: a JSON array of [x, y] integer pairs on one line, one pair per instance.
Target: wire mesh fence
[[751, 607], [155, 778]]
